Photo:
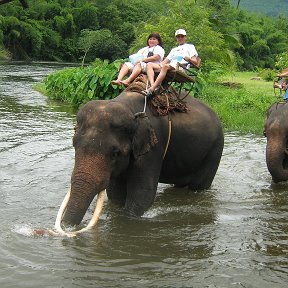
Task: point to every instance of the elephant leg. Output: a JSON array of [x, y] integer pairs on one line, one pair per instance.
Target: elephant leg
[[142, 186], [206, 173], [140, 200], [117, 191]]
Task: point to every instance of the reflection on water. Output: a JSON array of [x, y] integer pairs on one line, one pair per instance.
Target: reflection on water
[[232, 235]]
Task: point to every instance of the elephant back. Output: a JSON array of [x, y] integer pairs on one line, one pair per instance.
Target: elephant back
[[164, 101]]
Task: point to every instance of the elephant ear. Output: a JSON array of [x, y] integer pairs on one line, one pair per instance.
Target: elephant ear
[[144, 137]]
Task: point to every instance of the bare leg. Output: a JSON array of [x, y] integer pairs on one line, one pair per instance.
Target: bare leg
[[136, 71], [150, 68], [160, 77], [122, 73]]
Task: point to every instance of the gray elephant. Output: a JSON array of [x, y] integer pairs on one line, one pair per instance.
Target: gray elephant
[[121, 148], [276, 131]]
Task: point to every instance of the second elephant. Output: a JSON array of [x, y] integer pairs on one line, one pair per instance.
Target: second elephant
[[276, 131]]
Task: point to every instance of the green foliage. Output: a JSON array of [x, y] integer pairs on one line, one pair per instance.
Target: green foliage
[[102, 43], [282, 61], [271, 8], [223, 35], [262, 39], [241, 109], [195, 19], [267, 74], [60, 23], [86, 17], [79, 85]]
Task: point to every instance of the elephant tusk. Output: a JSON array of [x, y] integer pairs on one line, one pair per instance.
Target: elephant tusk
[[62, 208], [95, 217]]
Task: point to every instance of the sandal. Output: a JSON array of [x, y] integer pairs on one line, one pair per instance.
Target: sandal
[[147, 93]]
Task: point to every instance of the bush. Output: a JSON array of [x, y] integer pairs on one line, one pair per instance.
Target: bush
[[267, 74], [79, 85]]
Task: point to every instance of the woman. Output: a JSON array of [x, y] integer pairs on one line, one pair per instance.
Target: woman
[[153, 52]]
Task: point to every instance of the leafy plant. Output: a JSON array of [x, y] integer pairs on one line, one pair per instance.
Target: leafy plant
[[281, 61], [267, 74], [79, 85]]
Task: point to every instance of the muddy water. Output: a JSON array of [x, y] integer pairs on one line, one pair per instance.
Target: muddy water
[[232, 235]]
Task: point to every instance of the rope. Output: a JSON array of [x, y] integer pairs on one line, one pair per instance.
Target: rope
[[169, 135], [169, 126], [172, 102]]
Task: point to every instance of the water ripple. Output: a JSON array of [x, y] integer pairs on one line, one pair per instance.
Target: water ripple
[[231, 235]]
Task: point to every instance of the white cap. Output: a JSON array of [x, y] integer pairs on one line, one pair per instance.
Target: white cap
[[180, 32]]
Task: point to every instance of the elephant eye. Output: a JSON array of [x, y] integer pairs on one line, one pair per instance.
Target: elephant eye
[[115, 153]]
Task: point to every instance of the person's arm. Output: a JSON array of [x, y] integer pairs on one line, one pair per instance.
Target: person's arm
[[158, 55], [165, 61], [168, 58], [154, 58], [193, 57], [194, 60]]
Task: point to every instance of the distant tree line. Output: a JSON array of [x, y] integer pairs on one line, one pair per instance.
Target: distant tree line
[[50, 30], [76, 30]]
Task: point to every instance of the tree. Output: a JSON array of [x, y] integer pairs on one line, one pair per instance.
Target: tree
[[101, 44], [195, 19], [23, 2]]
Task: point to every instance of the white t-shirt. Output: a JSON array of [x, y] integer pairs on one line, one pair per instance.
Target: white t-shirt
[[155, 49], [144, 51], [178, 53]]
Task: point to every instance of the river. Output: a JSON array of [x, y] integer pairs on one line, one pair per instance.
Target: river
[[233, 235]]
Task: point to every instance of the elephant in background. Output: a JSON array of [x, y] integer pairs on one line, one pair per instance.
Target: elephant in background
[[276, 131], [121, 148]]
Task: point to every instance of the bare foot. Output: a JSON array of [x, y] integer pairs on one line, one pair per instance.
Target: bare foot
[[125, 83], [116, 82]]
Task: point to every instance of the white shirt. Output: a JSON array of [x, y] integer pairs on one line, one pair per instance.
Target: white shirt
[[179, 52], [158, 50]]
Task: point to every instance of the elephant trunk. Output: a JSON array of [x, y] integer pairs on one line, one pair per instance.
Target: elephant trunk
[[91, 224], [81, 196], [277, 158], [89, 178]]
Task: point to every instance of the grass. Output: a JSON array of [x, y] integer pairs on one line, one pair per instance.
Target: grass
[[241, 108]]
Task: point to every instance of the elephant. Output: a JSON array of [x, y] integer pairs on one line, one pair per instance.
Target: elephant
[[276, 131], [123, 146]]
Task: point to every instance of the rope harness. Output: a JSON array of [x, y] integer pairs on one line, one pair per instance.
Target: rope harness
[[163, 103]]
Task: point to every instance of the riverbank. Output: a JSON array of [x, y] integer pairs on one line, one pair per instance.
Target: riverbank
[[241, 101]]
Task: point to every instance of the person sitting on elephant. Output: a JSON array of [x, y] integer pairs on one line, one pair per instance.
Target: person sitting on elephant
[[184, 53], [285, 88], [282, 83], [153, 53]]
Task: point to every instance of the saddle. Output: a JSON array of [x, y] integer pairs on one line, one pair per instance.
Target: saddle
[[164, 101]]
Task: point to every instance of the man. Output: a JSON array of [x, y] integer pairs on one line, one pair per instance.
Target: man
[[184, 53]]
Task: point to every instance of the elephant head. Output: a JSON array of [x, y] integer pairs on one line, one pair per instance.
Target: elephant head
[[276, 131], [108, 137]]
